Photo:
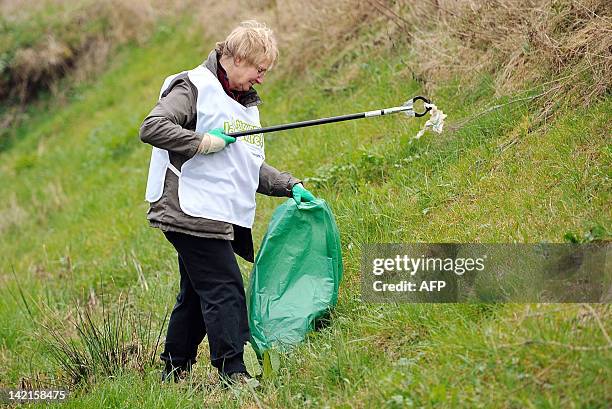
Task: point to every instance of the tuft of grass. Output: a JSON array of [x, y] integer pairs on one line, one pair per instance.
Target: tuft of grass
[[106, 344]]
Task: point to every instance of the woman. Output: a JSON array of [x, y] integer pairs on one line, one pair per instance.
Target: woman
[[201, 188]]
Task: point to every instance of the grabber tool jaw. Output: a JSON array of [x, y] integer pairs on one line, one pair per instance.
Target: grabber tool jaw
[[410, 106]]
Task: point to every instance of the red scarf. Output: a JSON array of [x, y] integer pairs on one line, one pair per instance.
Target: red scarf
[[222, 76]]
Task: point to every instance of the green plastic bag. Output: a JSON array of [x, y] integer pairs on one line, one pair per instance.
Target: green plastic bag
[[296, 275]]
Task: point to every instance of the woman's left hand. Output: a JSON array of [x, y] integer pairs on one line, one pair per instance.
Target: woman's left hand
[[301, 194]]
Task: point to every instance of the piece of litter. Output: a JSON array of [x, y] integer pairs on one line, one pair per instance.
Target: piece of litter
[[435, 122]]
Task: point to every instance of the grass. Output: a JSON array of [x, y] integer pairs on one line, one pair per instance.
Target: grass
[[75, 228], [52, 45]]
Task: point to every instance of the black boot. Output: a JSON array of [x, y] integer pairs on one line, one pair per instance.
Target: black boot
[[175, 373], [238, 379]]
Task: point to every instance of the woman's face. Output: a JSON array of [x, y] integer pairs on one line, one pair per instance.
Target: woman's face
[[244, 74]]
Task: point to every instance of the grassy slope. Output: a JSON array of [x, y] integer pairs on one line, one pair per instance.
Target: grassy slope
[[77, 177]]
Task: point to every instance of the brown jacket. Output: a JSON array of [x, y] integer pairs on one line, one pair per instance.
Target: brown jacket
[[171, 126]]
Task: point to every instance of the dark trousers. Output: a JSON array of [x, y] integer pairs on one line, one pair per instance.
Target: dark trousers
[[211, 301]]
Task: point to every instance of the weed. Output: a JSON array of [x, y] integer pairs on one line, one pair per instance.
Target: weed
[[106, 344]]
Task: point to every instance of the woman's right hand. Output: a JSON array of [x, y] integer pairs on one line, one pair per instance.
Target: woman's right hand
[[214, 141]]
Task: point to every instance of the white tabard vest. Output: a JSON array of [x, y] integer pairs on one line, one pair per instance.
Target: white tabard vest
[[222, 185]]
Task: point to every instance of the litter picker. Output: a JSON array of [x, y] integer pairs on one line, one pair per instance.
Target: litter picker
[[407, 108]]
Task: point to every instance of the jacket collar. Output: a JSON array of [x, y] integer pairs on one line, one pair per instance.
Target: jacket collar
[[247, 98]]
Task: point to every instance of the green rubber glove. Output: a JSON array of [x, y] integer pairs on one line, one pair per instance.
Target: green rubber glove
[[214, 141], [300, 194], [218, 132]]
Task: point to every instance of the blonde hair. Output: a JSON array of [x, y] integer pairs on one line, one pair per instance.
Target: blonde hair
[[252, 41]]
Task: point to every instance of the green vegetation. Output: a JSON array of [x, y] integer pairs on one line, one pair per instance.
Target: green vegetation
[[73, 236], [43, 42]]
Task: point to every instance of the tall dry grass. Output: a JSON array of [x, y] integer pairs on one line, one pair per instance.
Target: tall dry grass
[[564, 44]]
